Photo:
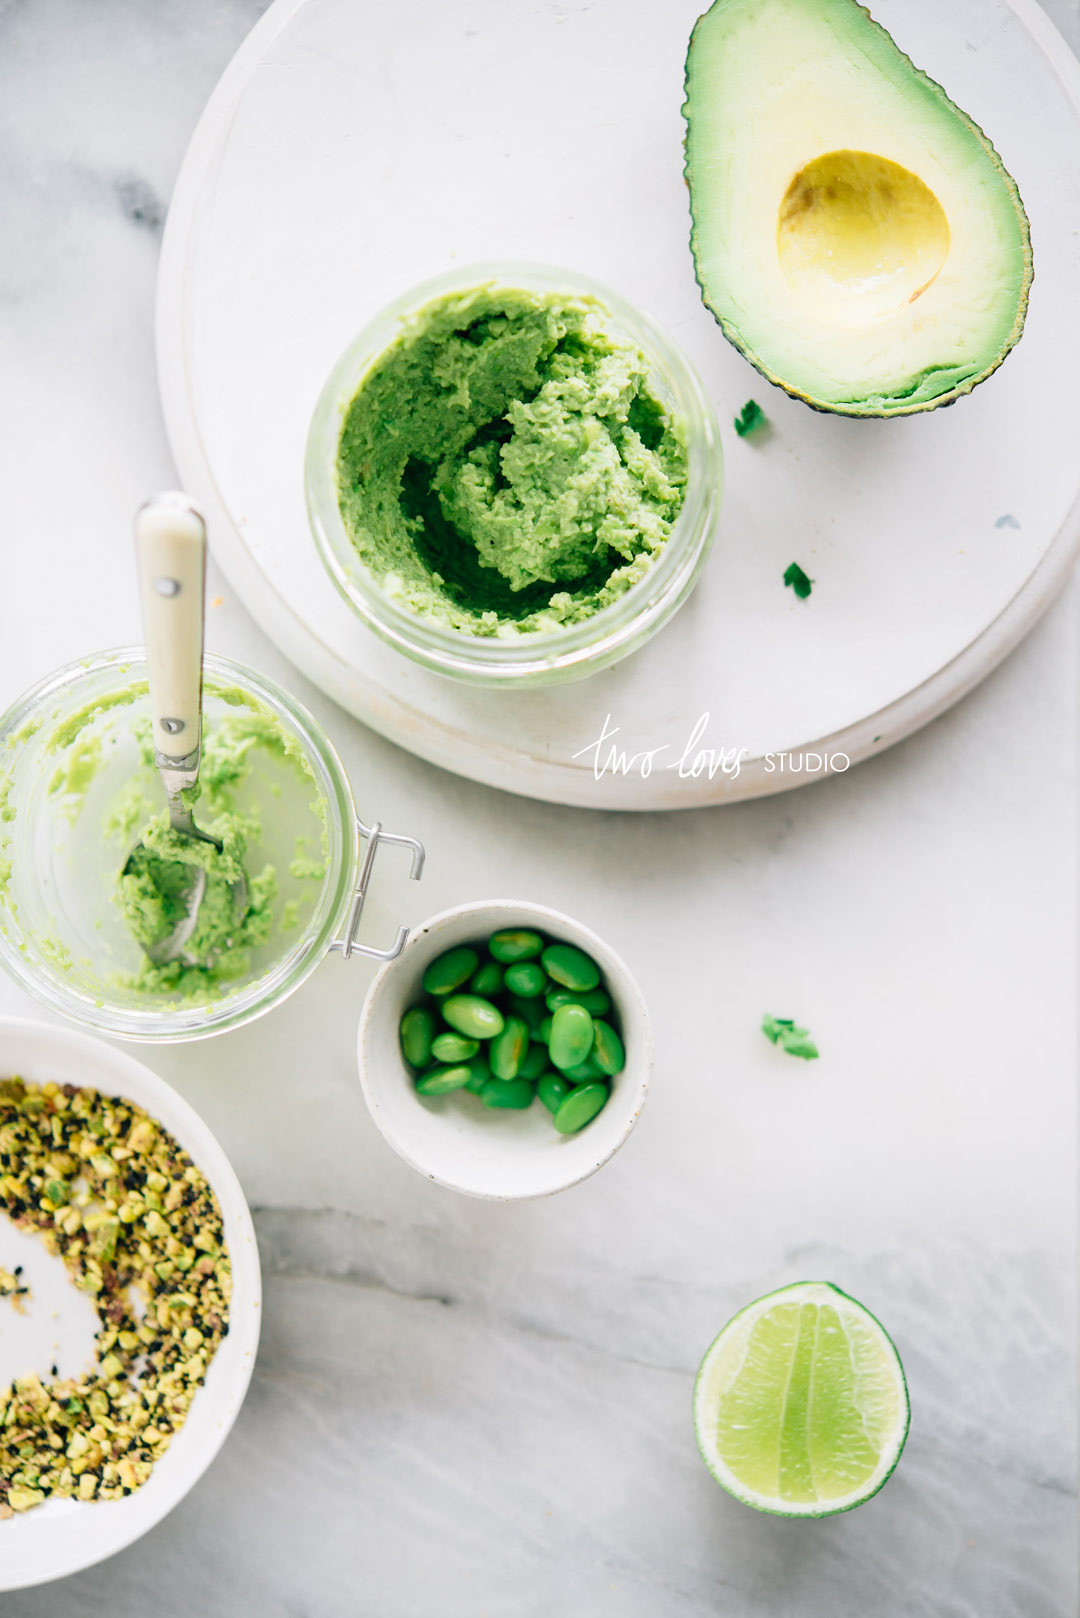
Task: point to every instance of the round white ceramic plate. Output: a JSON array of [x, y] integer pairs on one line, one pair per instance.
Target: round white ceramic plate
[[62, 1536], [353, 150]]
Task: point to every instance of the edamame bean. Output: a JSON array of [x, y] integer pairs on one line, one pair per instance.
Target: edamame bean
[[543, 1033], [479, 1074], [488, 981], [535, 1061], [507, 1050], [607, 1051], [552, 1091], [417, 1033], [570, 966], [473, 1017], [530, 1011], [453, 1048], [515, 944], [571, 1036], [440, 1080], [579, 1108], [585, 1072], [513, 1093], [448, 972], [595, 1001], [526, 979]]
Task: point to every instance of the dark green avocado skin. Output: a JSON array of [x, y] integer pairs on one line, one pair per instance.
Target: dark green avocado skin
[[871, 408]]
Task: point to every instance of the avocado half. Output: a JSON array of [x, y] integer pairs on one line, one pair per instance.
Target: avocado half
[[855, 234]]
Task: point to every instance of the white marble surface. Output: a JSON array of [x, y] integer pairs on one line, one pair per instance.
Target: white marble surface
[[485, 1409]]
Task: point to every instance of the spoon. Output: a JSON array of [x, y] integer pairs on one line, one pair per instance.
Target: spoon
[[170, 548]]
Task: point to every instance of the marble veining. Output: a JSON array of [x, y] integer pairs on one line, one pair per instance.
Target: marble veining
[[140, 202], [415, 1432]]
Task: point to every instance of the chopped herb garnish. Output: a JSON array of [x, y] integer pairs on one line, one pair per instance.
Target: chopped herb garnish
[[749, 417], [784, 1032], [798, 580]]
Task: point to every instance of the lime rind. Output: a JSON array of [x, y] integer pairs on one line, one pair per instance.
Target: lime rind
[[883, 1405]]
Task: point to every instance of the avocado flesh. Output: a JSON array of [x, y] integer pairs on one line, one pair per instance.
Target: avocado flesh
[[855, 234]]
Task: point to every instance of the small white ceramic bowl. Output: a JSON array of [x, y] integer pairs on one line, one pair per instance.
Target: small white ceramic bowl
[[452, 1139]]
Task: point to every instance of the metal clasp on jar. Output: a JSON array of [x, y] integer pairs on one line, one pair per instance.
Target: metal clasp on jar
[[375, 835]]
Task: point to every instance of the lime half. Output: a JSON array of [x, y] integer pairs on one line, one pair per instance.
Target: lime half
[[800, 1405]]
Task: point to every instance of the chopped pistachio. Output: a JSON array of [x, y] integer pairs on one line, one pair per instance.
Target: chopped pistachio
[[21, 1498], [137, 1218], [11, 1286]]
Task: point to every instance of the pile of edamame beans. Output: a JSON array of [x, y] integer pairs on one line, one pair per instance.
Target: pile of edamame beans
[[515, 1020]]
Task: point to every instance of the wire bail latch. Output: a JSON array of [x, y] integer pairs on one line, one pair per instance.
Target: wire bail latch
[[375, 835]]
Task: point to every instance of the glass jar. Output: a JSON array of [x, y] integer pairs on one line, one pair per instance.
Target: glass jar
[[539, 657], [77, 784]]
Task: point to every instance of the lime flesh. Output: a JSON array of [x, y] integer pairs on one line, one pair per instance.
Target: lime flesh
[[800, 1405]]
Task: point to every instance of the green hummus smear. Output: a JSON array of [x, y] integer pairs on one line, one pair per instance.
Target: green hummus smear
[[152, 887], [506, 466]]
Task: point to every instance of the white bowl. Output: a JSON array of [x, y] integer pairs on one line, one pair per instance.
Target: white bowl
[[452, 1139], [61, 1536]]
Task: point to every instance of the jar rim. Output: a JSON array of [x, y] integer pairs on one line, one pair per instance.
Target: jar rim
[[579, 648]]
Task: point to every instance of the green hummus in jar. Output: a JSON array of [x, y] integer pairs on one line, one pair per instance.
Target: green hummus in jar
[[506, 466], [257, 794]]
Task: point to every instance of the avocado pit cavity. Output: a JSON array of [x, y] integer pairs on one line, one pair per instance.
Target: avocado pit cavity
[[859, 238]]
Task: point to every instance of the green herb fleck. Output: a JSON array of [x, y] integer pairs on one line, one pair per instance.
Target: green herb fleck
[[798, 580], [750, 416], [795, 1041]]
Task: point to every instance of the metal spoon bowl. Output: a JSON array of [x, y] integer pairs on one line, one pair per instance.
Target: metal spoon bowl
[[171, 947]]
